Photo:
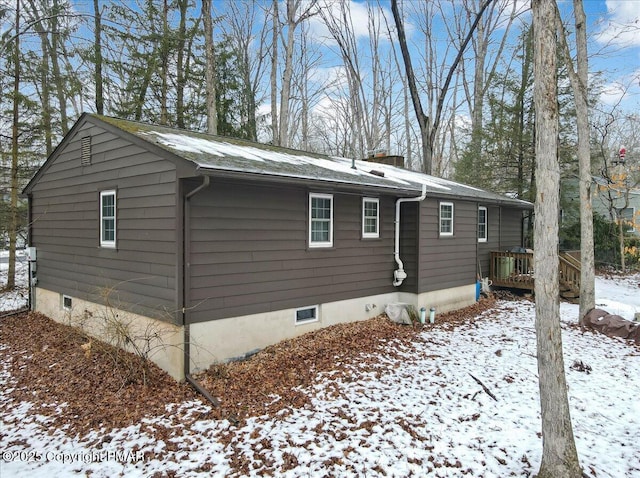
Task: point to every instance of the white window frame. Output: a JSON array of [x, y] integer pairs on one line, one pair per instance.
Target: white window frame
[[443, 204], [313, 243], [365, 234], [486, 224], [111, 243], [63, 299], [315, 318]]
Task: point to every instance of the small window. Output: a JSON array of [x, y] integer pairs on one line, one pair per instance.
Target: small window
[[307, 314], [320, 220], [67, 302], [482, 224], [108, 219], [446, 219], [370, 218]]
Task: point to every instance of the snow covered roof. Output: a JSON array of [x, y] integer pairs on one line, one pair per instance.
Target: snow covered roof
[[212, 153]]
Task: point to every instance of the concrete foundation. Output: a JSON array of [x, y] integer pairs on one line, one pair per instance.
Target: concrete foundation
[[162, 341], [226, 339]]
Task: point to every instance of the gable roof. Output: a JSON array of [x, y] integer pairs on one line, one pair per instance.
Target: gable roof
[[212, 154]]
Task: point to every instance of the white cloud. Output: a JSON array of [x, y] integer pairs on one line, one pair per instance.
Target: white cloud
[[622, 26], [622, 90], [358, 18]]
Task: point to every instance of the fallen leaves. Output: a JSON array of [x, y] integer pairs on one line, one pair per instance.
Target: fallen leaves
[[51, 363]]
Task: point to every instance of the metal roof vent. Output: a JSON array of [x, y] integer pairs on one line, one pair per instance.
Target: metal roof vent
[[85, 151]]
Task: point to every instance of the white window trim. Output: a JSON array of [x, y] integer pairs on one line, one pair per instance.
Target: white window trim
[[446, 233], [371, 235], [63, 299], [104, 243], [486, 223], [328, 243], [316, 315]]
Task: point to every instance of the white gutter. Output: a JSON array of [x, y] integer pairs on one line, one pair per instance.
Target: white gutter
[[399, 275]]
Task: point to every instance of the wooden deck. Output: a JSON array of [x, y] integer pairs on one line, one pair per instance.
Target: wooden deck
[[515, 270]]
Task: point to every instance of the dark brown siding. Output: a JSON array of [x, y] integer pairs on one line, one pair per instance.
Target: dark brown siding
[[493, 239], [66, 230], [510, 228], [447, 261], [248, 251], [504, 232], [409, 234]]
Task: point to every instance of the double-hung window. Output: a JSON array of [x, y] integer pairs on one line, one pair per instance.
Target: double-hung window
[[482, 224], [446, 219], [370, 218], [108, 218], [320, 220]]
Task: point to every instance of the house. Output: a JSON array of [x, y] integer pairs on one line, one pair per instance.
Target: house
[[610, 198], [616, 200], [220, 246]]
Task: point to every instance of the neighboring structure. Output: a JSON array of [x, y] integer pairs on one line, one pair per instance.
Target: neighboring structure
[[613, 200], [228, 246], [609, 199]]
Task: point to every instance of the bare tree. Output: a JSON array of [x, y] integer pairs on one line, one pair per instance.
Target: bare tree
[[240, 28], [165, 49], [296, 13], [371, 115], [559, 455], [13, 207], [210, 74], [497, 20], [97, 56], [273, 77], [579, 85], [429, 124], [620, 175]]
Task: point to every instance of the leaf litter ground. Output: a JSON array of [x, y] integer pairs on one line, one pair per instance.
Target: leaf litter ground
[[364, 399]]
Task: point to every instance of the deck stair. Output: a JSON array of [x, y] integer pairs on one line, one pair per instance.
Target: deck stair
[[515, 270]]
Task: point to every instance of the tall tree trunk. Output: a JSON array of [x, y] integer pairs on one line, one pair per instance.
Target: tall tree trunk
[[587, 269], [520, 105], [164, 66], [180, 67], [274, 73], [429, 127], [97, 57], [285, 89], [424, 122], [623, 260], [559, 455], [13, 206], [46, 95], [55, 69], [34, 10], [579, 79], [210, 73]]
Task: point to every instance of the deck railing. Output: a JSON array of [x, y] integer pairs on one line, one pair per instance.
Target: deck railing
[[515, 270], [569, 274], [511, 269]]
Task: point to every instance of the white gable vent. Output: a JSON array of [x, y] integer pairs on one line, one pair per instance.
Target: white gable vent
[[85, 152]]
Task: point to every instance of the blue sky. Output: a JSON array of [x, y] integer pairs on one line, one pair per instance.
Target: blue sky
[[614, 47]]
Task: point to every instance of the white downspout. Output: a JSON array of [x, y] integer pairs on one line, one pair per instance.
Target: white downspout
[[399, 275]]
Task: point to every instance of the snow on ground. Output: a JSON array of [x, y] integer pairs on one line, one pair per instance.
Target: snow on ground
[[419, 415], [19, 297]]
